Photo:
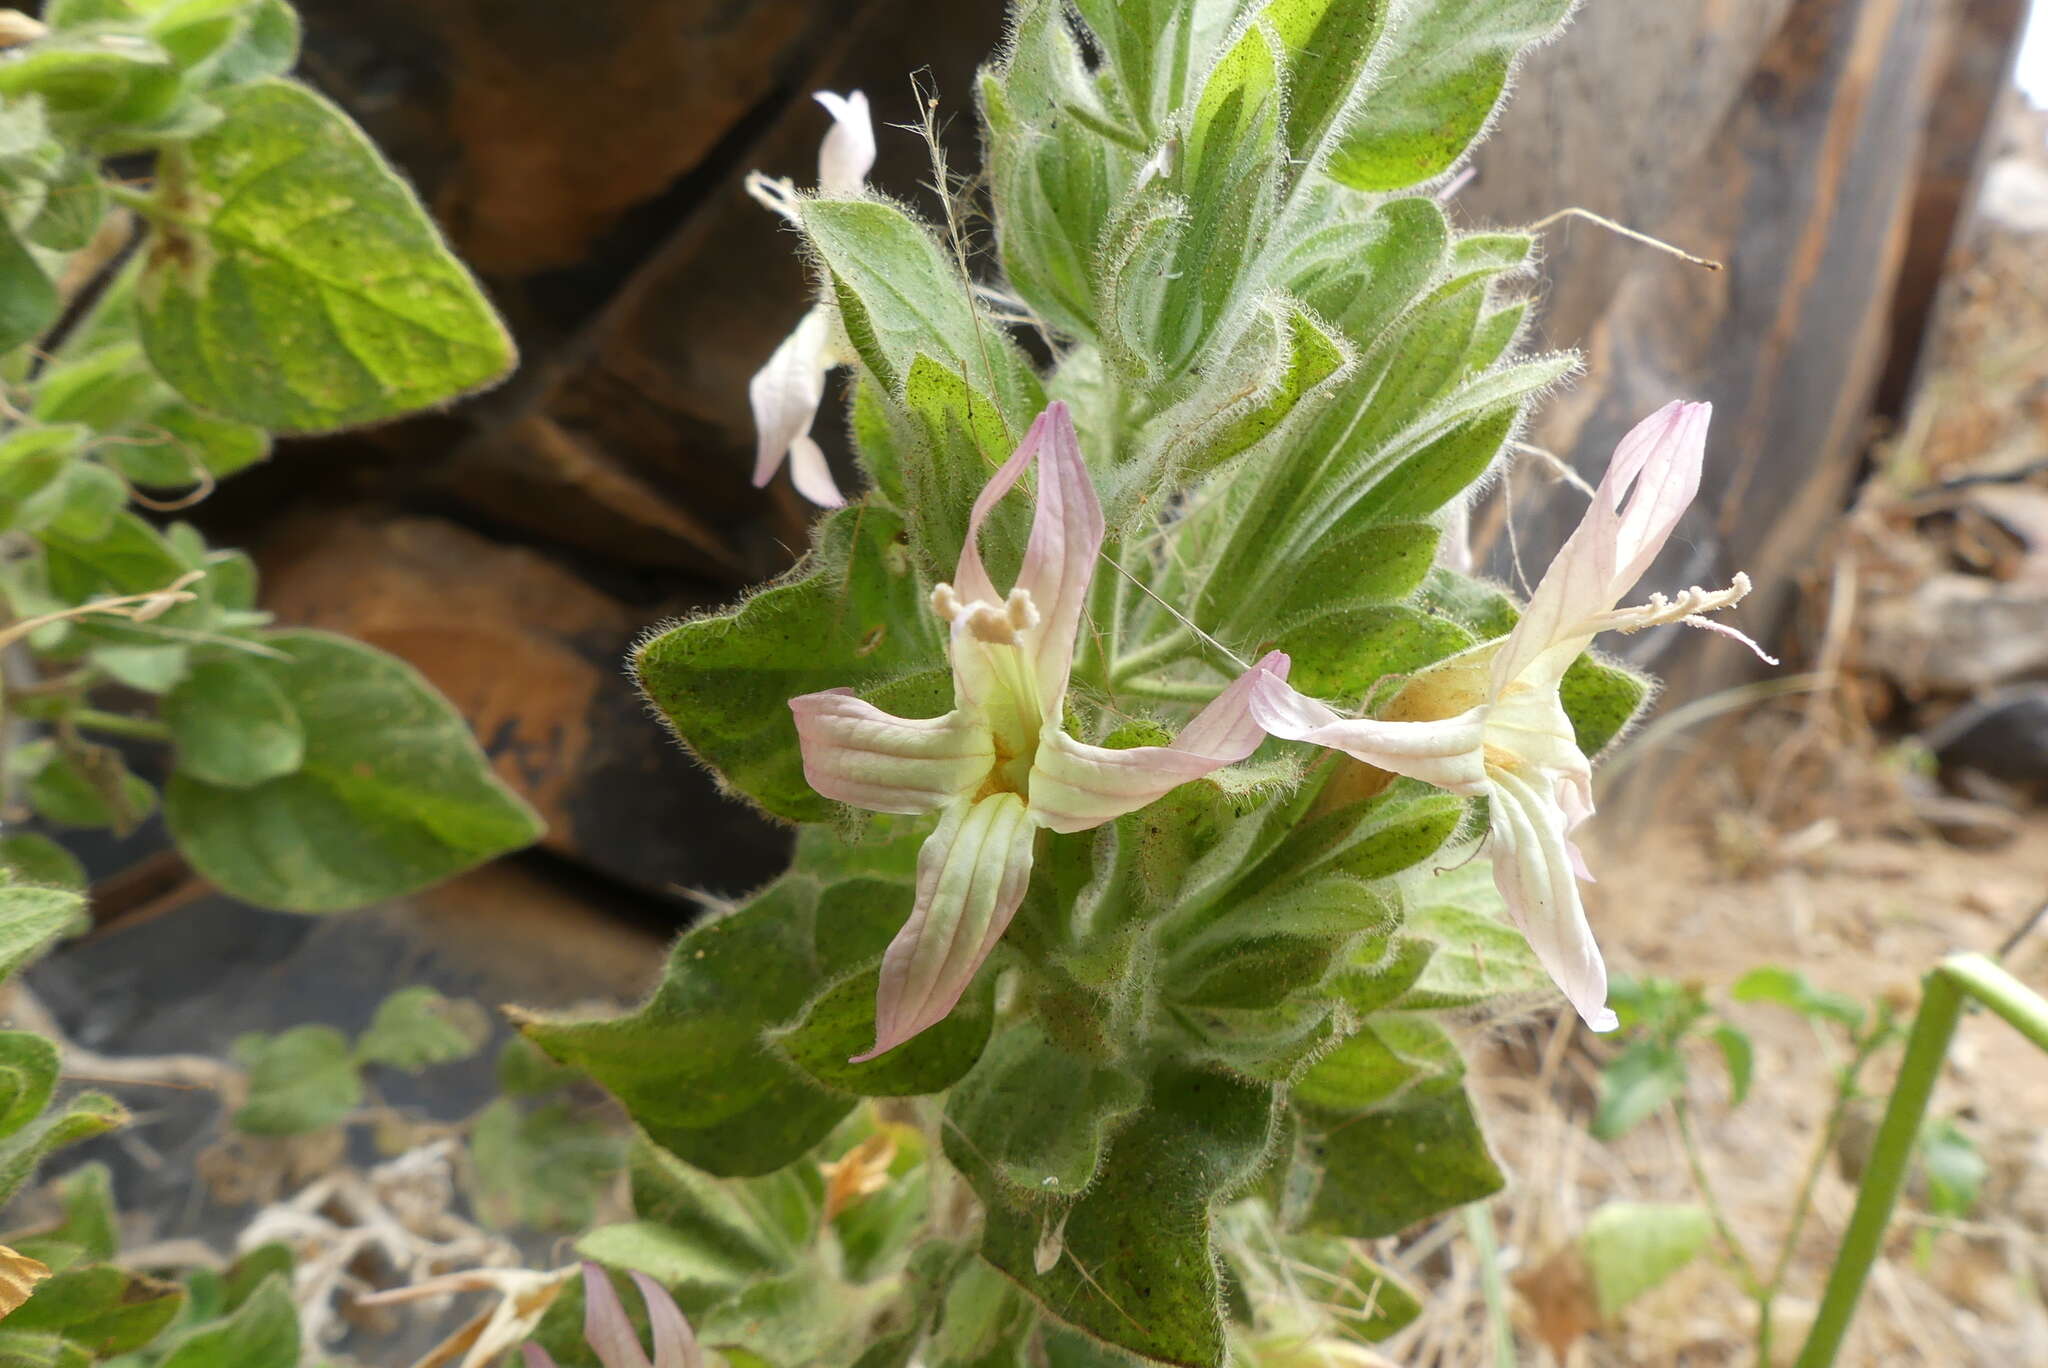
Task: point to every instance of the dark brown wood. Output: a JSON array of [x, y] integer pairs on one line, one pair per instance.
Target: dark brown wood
[[533, 656]]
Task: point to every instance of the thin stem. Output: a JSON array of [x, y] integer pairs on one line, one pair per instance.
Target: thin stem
[[1988, 982], [1694, 1161], [1934, 1026], [1175, 645], [1169, 690], [1499, 1330], [118, 724]]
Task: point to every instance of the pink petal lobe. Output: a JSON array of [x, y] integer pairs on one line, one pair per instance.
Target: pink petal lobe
[[1059, 560], [1450, 754], [606, 1327], [855, 753], [971, 878], [675, 1345], [1075, 786], [536, 1357], [1650, 482], [1535, 867], [970, 578]]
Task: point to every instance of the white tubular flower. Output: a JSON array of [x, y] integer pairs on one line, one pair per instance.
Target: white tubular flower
[[785, 393], [1488, 722], [1000, 766]]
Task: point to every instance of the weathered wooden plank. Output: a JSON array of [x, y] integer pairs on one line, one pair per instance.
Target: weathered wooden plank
[[1803, 191]]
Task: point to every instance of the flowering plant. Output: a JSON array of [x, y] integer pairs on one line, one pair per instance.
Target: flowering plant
[[1140, 971]]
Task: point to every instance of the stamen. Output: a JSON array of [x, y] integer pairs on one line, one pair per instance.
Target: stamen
[[1023, 613], [945, 602], [1687, 609], [986, 622]]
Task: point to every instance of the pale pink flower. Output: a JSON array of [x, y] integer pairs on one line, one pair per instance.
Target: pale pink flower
[[1000, 765], [785, 393], [1488, 722], [609, 1330]]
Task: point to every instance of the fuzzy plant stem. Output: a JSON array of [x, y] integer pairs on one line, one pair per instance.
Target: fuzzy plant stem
[[1959, 978]]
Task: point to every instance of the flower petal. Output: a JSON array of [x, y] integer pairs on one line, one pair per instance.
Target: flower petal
[[1535, 866], [1059, 560], [1449, 754], [675, 1345], [606, 1327], [536, 1357], [1656, 470], [856, 753], [785, 393], [811, 475], [971, 876], [848, 152], [1075, 786]]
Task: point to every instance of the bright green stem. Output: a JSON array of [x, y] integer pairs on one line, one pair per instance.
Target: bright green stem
[[118, 724], [1177, 643], [1941, 1007]]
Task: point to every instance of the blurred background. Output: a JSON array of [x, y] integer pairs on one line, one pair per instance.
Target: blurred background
[[1866, 172]]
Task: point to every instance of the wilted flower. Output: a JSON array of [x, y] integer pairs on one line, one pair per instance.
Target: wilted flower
[[785, 393], [1000, 765], [1488, 721], [609, 1330]]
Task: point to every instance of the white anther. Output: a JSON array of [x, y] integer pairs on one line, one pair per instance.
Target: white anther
[[1023, 613], [945, 602]]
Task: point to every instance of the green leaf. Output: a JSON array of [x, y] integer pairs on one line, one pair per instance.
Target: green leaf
[[100, 1308], [1228, 176], [1327, 46], [22, 1349], [675, 1258], [1790, 988], [30, 918], [900, 294], [74, 205], [83, 73], [28, 1076], [1442, 69], [1635, 1084], [147, 669], [544, 1168], [1740, 1056], [85, 786], [1137, 1242], [1343, 654], [247, 1274], [301, 1080], [393, 794], [1404, 1160], [301, 287], [268, 46], [233, 725], [28, 857], [1030, 1123], [264, 1333], [1052, 176], [176, 445], [758, 1225], [90, 1220], [840, 1023], [853, 616], [84, 1116], [1366, 1301], [28, 298], [1631, 1247], [1153, 49], [1954, 1167], [691, 1066], [1363, 263], [416, 1028]]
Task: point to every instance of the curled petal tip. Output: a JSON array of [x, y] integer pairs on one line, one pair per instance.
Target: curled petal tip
[[1601, 1020]]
